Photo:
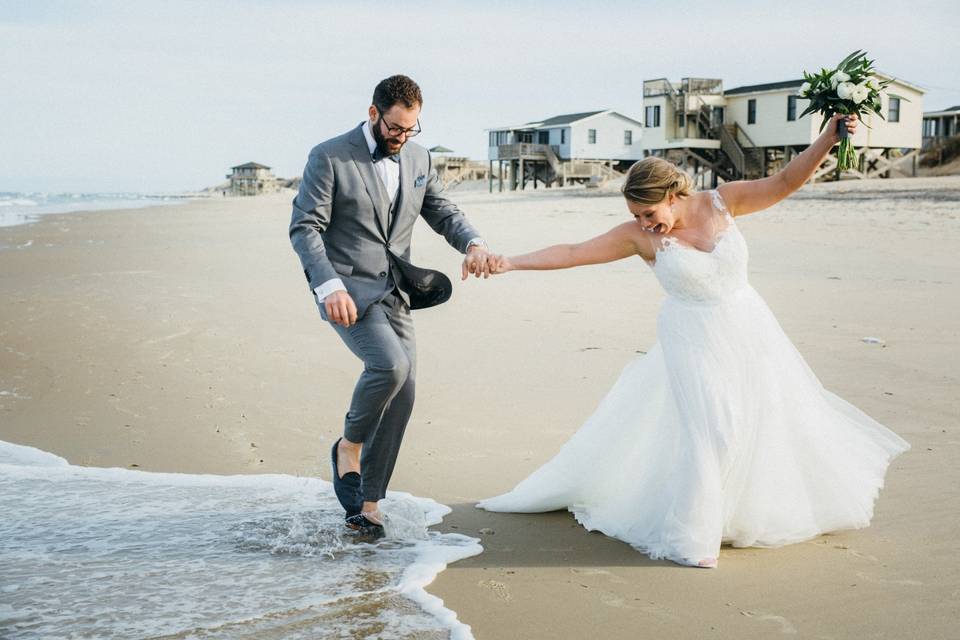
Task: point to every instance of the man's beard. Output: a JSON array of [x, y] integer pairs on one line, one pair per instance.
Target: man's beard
[[383, 143]]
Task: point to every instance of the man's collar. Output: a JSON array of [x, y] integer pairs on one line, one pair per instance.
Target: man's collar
[[368, 135], [372, 145]]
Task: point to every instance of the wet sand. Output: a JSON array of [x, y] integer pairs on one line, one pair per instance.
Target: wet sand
[[184, 339]]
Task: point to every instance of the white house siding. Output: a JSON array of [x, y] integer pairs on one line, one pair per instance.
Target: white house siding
[[555, 140], [609, 145], [908, 133], [772, 129], [667, 135], [656, 137]]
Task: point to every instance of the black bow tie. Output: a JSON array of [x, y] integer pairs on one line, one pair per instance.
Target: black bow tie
[[379, 155]]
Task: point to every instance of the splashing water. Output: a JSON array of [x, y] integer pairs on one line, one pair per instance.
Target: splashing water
[[88, 552]]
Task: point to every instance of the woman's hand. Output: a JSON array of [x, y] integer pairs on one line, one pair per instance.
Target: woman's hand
[[499, 264], [852, 121]]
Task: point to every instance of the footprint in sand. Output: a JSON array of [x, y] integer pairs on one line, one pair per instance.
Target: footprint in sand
[[599, 572], [498, 589], [854, 552], [905, 582], [786, 627]]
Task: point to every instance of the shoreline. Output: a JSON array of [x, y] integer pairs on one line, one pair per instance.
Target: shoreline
[[189, 342]]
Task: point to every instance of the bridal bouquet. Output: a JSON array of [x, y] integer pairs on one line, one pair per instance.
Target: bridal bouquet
[[848, 89]]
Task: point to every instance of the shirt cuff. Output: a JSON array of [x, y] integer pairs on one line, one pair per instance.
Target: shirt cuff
[[329, 287], [478, 241]]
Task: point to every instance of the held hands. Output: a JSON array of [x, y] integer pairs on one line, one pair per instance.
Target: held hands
[[476, 263], [479, 262], [499, 264]]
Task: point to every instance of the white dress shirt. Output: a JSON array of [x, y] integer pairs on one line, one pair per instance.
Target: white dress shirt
[[389, 174]]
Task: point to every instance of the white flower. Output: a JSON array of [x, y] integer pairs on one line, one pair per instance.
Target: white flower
[[804, 90], [837, 78], [845, 90], [873, 84], [860, 93]]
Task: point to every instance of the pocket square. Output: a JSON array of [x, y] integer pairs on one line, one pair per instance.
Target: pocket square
[[419, 182]]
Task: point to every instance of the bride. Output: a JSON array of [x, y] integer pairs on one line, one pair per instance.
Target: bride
[[721, 433]]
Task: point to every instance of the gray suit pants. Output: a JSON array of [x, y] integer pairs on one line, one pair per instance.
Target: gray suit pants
[[383, 398]]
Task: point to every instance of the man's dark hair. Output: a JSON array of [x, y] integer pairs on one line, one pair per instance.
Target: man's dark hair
[[396, 89]]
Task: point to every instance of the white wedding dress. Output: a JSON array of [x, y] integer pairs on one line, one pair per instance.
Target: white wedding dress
[[721, 433]]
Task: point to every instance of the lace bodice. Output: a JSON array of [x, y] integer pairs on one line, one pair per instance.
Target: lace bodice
[[692, 275]]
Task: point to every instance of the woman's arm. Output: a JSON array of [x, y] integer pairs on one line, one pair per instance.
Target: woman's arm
[[620, 242], [747, 196]]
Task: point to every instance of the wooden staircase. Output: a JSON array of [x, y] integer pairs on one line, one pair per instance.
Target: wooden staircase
[[746, 159]]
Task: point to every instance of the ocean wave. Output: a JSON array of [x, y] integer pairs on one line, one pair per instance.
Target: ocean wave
[[206, 556], [24, 208], [19, 202]]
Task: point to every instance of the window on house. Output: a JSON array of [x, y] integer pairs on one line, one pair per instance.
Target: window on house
[[627, 137], [543, 137], [563, 136], [526, 136], [682, 122], [752, 111], [651, 116], [591, 136], [791, 108], [893, 112]]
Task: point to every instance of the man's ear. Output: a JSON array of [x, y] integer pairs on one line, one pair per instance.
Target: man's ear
[[372, 113]]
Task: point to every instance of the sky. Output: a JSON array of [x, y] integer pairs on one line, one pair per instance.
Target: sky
[[137, 96]]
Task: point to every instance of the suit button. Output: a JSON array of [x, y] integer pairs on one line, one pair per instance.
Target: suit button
[[383, 274], [387, 245]]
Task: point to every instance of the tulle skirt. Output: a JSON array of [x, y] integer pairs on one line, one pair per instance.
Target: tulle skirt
[[721, 433]]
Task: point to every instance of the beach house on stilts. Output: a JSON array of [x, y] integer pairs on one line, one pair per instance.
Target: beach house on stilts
[[251, 179], [754, 130], [940, 125], [586, 147]]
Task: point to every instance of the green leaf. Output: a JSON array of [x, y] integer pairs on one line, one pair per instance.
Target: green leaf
[[849, 58]]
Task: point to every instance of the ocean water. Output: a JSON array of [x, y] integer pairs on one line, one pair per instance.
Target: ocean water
[[24, 208], [117, 553]]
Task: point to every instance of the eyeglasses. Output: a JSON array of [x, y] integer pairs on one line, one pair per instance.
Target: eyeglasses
[[397, 131]]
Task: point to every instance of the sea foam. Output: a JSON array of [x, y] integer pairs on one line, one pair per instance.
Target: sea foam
[[91, 552]]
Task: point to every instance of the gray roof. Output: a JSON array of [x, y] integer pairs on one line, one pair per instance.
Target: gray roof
[[560, 121], [569, 118], [770, 86], [941, 112], [250, 165]]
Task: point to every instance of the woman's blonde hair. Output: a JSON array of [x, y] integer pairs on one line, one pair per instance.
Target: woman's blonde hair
[[652, 179]]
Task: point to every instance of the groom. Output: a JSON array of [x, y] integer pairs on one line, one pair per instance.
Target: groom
[[352, 223]]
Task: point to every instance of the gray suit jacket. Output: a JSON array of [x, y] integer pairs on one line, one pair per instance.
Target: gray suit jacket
[[339, 225]]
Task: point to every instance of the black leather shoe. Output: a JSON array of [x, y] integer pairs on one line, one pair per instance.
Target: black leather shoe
[[346, 488], [364, 526]]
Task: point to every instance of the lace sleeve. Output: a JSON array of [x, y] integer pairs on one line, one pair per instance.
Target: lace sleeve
[[718, 203]]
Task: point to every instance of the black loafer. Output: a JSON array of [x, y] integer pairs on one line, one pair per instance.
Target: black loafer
[[364, 526], [346, 488]]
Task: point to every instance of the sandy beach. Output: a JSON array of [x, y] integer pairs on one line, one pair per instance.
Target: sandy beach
[[184, 339]]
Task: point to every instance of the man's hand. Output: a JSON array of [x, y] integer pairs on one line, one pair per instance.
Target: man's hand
[[340, 308], [476, 262]]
